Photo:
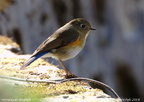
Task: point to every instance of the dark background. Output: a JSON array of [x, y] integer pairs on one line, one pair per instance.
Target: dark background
[[114, 53]]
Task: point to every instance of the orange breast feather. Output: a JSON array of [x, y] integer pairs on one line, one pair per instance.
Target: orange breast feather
[[75, 43]]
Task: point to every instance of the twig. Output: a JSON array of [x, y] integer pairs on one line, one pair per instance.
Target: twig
[[64, 80], [30, 80], [93, 81]]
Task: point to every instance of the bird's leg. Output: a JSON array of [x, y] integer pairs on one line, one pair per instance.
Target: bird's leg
[[68, 73], [66, 70]]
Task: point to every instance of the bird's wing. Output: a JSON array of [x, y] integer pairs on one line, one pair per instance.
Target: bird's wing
[[57, 40]]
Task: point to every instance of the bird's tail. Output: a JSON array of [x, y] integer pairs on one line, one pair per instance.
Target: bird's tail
[[32, 59]]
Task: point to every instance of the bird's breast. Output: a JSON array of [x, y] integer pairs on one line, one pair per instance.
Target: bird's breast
[[69, 51]]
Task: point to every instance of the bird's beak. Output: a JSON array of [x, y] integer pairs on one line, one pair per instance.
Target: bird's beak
[[92, 29]]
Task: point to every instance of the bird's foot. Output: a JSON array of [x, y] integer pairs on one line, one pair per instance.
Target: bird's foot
[[70, 75]]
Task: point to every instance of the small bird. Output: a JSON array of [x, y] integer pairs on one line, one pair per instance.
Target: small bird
[[65, 43]]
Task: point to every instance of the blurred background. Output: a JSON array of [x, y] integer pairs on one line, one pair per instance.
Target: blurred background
[[114, 53]]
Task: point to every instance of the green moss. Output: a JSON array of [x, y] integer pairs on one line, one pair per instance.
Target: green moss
[[35, 91]]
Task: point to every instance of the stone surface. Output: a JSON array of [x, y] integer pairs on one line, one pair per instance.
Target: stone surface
[[76, 91]]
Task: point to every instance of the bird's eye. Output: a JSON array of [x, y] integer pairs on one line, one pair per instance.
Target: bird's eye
[[83, 26]]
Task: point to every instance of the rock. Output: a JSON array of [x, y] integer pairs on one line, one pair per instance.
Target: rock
[[10, 64]]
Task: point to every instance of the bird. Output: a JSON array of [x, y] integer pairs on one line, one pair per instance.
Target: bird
[[64, 44]]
